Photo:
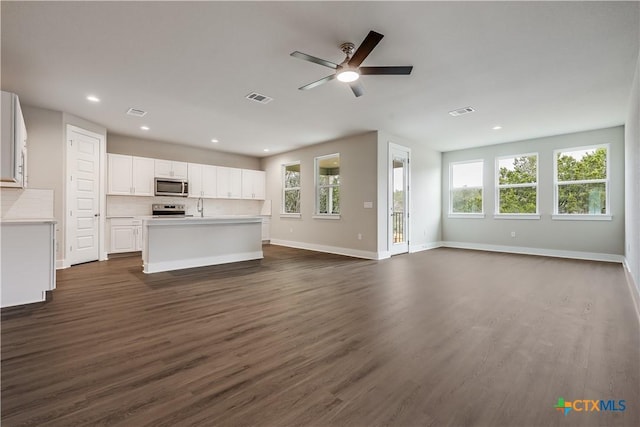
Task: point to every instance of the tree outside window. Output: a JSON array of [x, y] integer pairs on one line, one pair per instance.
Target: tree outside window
[[582, 181], [328, 184], [517, 188], [291, 188], [465, 195]]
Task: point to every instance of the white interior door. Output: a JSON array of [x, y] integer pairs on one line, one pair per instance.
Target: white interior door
[[83, 199], [398, 199]]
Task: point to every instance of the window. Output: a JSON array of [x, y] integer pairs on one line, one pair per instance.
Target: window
[[465, 194], [291, 188], [328, 185], [582, 182], [517, 186]]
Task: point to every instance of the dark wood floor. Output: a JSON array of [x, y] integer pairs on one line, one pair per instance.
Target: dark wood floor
[[443, 337]]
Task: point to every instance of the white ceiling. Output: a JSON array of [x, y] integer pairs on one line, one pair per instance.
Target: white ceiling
[[535, 68]]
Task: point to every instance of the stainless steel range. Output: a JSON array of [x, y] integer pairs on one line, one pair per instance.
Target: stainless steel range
[[174, 210]]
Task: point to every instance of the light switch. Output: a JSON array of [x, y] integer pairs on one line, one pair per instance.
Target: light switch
[[368, 205]]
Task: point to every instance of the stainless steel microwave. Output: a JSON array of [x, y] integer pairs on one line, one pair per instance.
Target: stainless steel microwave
[[171, 187]]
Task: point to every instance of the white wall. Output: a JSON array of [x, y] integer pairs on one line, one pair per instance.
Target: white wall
[[632, 180], [598, 237], [122, 144], [358, 185], [425, 189]]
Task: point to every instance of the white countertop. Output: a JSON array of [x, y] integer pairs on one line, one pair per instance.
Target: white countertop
[[28, 221], [219, 219]]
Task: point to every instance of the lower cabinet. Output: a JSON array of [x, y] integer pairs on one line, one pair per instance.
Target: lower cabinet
[[27, 265], [126, 235]]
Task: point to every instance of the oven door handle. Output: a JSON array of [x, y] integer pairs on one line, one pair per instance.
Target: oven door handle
[[183, 187]]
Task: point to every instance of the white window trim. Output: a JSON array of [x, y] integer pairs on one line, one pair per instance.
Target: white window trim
[[317, 214], [284, 189], [326, 216], [465, 214], [498, 186], [290, 215], [581, 217], [516, 216]]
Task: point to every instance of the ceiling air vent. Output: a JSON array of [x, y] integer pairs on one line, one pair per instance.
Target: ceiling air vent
[[136, 112], [262, 99], [461, 111]]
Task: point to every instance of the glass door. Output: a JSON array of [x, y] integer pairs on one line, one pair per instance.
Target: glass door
[[398, 200]]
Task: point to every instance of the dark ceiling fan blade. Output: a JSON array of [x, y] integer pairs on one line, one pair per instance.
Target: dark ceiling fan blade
[[357, 88], [399, 70], [313, 59], [369, 43], [318, 82]]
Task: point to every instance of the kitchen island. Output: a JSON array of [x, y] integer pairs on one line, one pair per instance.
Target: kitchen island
[[186, 242]]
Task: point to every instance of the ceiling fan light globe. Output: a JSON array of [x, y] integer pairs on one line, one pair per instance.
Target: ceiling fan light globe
[[348, 76]]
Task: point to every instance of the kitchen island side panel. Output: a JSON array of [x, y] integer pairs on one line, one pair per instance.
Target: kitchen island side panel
[[173, 244]]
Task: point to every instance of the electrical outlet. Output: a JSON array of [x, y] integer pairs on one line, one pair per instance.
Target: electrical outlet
[[291, 230], [359, 236], [513, 234]]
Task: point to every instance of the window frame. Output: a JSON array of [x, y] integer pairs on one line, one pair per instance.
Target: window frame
[[497, 214], [316, 175], [283, 212], [583, 217], [465, 214]]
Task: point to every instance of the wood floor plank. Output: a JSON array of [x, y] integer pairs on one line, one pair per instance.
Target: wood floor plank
[[441, 337]]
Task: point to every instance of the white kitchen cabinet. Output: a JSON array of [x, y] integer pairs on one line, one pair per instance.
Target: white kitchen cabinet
[[130, 176], [143, 169], [202, 181], [253, 184], [229, 183], [126, 235], [170, 169], [13, 143], [28, 261]]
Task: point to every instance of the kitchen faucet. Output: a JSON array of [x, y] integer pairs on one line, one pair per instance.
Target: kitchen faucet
[[200, 207]]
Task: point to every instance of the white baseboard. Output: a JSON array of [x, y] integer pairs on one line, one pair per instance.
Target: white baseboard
[[384, 255], [356, 253], [424, 246], [157, 267], [60, 264], [591, 256]]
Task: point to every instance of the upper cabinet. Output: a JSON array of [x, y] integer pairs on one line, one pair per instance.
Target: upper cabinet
[[134, 176], [253, 184], [229, 183], [170, 169], [13, 143], [130, 176], [202, 180]]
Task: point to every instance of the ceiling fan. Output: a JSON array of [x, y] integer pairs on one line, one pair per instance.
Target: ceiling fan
[[349, 70]]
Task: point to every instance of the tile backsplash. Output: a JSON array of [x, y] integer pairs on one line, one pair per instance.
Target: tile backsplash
[[141, 206], [28, 203]]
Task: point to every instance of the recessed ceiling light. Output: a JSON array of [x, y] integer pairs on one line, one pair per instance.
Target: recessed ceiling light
[[93, 98], [496, 127], [215, 141], [144, 127], [266, 150]]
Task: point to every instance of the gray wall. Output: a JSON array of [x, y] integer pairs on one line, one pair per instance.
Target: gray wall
[[425, 188], [121, 144], [605, 237], [46, 159], [358, 184], [632, 180]]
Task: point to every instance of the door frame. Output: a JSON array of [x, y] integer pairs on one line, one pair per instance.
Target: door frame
[[102, 176], [393, 146]]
